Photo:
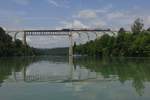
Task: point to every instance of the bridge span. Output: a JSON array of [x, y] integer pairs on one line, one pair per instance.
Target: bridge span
[[62, 32]]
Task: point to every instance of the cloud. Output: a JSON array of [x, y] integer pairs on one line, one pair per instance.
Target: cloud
[[74, 24], [59, 3], [53, 2], [148, 20], [78, 24], [94, 18], [92, 13], [98, 23], [87, 14]]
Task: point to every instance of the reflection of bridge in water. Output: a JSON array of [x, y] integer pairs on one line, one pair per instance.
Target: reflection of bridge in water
[[80, 74]]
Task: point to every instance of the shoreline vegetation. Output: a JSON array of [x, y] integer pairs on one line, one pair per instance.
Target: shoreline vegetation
[[125, 44], [10, 48]]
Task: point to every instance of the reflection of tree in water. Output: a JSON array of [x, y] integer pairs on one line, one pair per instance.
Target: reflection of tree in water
[[8, 65], [136, 69]]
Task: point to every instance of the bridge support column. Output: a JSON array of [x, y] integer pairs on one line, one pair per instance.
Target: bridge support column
[[96, 35], [25, 43], [24, 39], [71, 56], [24, 73], [15, 36], [71, 45]]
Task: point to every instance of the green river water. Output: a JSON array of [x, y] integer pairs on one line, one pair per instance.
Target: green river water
[[53, 78]]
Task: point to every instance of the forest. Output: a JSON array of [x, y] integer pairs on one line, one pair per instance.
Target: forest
[[135, 43]]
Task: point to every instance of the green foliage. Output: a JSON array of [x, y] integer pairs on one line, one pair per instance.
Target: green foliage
[[10, 48], [54, 51], [121, 31], [148, 29], [135, 43]]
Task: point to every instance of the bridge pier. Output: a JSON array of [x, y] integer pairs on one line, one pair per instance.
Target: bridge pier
[[71, 55], [15, 36], [24, 39], [24, 73], [71, 44]]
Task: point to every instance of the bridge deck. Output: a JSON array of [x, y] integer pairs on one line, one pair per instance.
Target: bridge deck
[[70, 30], [63, 30]]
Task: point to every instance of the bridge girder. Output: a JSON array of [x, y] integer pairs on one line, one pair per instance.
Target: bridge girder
[[56, 32]]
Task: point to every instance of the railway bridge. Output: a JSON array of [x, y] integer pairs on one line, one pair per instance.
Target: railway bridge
[[63, 32]]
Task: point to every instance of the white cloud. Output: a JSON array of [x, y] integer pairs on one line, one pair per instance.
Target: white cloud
[[78, 24], [53, 2], [92, 13], [148, 20], [59, 3], [98, 23], [88, 14], [92, 18], [109, 18], [74, 24]]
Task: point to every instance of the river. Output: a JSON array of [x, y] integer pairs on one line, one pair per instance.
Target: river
[[54, 78]]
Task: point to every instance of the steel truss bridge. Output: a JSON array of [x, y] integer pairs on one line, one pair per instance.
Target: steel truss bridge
[[62, 32]]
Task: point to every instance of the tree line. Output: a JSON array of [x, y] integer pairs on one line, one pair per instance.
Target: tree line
[[8, 47], [135, 43]]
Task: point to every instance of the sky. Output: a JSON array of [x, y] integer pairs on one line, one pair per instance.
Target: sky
[[57, 14]]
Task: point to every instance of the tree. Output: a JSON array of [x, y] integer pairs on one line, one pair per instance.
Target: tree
[[135, 43], [137, 27], [18, 43], [5, 43], [148, 29], [10, 48], [121, 31]]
